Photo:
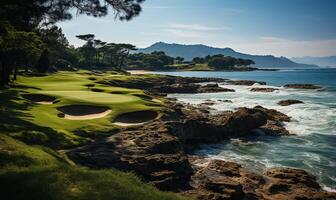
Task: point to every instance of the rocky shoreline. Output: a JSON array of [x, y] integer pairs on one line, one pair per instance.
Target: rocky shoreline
[[161, 151]]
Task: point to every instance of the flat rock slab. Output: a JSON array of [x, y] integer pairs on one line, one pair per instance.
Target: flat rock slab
[[302, 86], [259, 89]]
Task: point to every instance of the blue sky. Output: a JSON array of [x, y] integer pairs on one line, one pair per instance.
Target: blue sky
[[278, 27]]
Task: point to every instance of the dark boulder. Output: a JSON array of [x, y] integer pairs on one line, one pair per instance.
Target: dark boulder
[[245, 82], [302, 86], [289, 102], [263, 89]]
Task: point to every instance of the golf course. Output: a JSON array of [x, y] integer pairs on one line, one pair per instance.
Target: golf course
[[43, 116]]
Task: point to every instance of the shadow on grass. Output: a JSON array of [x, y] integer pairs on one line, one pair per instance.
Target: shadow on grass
[[12, 114]]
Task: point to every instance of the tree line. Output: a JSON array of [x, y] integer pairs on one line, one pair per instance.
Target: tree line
[[222, 62]]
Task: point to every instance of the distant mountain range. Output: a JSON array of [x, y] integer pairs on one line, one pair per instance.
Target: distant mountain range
[[188, 52], [329, 61]]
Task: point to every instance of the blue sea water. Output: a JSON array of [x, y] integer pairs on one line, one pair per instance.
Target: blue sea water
[[313, 147]]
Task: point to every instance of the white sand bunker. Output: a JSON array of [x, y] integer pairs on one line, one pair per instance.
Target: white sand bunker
[[40, 98], [83, 112], [135, 118]]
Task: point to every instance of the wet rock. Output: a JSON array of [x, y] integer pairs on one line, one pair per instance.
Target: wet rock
[[274, 128], [289, 102], [217, 179], [208, 103], [225, 101], [273, 115], [212, 88], [302, 86], [263, 89], [244, 120], [245, 82], [197, 127], [288, 183]]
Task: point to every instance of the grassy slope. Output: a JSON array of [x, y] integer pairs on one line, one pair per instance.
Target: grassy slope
[[30, 135]]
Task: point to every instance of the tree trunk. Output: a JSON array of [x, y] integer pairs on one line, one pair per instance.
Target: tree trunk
[[4, 75], [16, 69]]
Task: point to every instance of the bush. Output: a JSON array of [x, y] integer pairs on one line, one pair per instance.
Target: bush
[[34, 137], [43, 63], [221, 62]]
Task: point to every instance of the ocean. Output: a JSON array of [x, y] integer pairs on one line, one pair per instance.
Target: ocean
[[313, 147]]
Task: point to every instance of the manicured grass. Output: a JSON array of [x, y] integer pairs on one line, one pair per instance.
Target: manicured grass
[[31, 136], [70, 88]]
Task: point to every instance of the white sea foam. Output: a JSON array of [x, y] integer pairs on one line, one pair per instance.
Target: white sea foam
[[329, 189], [307, 118]]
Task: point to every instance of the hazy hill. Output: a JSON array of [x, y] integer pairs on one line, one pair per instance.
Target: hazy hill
[[329, 61], [190, 51]]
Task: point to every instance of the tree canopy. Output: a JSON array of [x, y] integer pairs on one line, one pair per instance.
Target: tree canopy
[[28, 15], [222, 62]]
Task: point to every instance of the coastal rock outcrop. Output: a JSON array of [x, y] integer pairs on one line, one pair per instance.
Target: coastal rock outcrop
[[302, 86], [212, 88], [274, 128], [245, 82], [289, 183], [273, 115], [156, 150], [170, 84], [158, 153], [289, 102], [217, 179], [259, 89], [150, 152]]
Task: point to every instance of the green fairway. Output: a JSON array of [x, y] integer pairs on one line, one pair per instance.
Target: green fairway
[[70, 88]]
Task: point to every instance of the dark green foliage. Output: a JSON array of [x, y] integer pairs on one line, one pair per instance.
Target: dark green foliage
[[43, 63], [219, 61], [96, 53], [152, 60], [198, 60], [17, 48], [179, 60], [60, 53], [224, 62]]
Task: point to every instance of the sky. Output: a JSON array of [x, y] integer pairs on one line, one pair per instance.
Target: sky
[[291, 28]]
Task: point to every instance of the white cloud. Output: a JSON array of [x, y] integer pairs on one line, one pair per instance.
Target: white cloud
[[191, 30], [273, 39], [195, 27]]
